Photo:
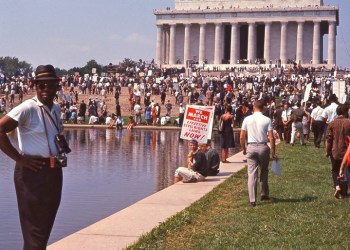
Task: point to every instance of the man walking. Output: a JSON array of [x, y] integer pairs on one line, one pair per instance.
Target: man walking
[[38, 181], [297, 125], [257, 126], [336, 146]]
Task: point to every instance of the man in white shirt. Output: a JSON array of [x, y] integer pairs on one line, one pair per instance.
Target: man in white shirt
[[137, 109], [330, 113], [181, 114], [257, 127], [287, 122], [317, 124], [38, 180]]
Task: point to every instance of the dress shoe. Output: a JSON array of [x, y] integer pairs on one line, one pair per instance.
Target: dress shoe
[[338, 194], [253, 204], [192, 180], [265, 198]]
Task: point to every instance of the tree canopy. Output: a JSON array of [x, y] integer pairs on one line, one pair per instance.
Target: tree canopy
[[12, 66]]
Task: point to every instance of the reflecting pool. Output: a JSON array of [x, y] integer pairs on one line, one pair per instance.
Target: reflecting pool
[[107, 171]]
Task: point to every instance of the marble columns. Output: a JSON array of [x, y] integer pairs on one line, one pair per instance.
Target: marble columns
[[267, 42], [316, 43], [218, 43], [202, 30], [235, 43], [283, 50], [159, 59], [332, 43], [251, 42], [300, 39], [187, 43]]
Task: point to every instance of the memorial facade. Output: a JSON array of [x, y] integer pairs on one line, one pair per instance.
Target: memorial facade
[[228, 32]]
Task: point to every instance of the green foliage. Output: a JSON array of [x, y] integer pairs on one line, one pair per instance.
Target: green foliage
[[127, 62], [11, 66], [61, 72], [87, 69]]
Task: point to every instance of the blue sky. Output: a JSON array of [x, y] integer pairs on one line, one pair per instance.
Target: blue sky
[[69, 33]]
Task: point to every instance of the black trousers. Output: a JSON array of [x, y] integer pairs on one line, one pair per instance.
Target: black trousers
[[287, 131], [335, 174], [318, 128], [38, 199]]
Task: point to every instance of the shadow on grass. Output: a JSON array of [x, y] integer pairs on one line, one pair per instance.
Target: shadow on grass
[[295, 200]]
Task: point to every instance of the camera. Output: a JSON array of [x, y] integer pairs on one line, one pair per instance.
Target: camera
[[61, 144], [58, 161]]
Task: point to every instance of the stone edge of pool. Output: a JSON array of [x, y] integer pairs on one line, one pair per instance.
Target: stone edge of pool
[[126, 226], [136, 127]]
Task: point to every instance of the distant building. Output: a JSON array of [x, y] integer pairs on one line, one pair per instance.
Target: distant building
[[225, 32]]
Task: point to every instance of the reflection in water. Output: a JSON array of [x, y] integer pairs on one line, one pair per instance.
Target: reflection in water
[[107, 171]]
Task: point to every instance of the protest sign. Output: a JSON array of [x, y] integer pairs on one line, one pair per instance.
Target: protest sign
[[307, 92], [339, 90], [198, 123]]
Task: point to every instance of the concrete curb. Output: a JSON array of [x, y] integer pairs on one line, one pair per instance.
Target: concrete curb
[[126, 226]]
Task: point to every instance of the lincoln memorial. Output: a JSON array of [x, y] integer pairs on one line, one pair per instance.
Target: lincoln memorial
[[230, 32]]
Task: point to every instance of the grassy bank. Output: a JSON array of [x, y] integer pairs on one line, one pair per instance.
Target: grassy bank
[[302, 213]]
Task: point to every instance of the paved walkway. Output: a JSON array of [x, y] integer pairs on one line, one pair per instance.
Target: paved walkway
[[125, 227]]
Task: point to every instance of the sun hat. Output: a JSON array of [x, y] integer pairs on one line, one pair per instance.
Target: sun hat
[[45, 73]]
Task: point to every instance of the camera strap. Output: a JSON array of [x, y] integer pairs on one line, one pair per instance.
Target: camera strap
[[47, 137], [54, 121]]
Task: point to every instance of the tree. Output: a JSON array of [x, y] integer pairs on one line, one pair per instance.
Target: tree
[[128, 63], [11, 66], [87, 69], [61, 72]]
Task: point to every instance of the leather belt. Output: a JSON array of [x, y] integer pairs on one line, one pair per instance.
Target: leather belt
[[257, 143]]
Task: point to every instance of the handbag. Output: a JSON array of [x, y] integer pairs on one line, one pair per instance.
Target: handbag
[[220, 125]]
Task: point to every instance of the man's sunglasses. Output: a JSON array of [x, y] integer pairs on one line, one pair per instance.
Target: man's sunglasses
[[43, 85]]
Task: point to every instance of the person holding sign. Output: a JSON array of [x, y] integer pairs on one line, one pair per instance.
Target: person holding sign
[[227, 138], [197, 166]]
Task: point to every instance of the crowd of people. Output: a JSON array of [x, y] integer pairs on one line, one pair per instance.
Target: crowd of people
[[265, 107], [297, 100]]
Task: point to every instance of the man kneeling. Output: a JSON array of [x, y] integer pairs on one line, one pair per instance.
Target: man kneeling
[[197, 166]]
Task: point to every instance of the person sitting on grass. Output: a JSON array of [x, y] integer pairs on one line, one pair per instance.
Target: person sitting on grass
[[165, 120], [197, 166], [93, 120], [132, 123], [112, 121]]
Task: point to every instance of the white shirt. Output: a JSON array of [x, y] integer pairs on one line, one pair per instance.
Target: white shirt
[[286, 114], [108, 120], [137, 108], [330, 112], [257, 126], [316, 114], [32, 138], [93, 119]]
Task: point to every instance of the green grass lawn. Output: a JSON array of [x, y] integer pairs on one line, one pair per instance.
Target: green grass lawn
[[302, 214]]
